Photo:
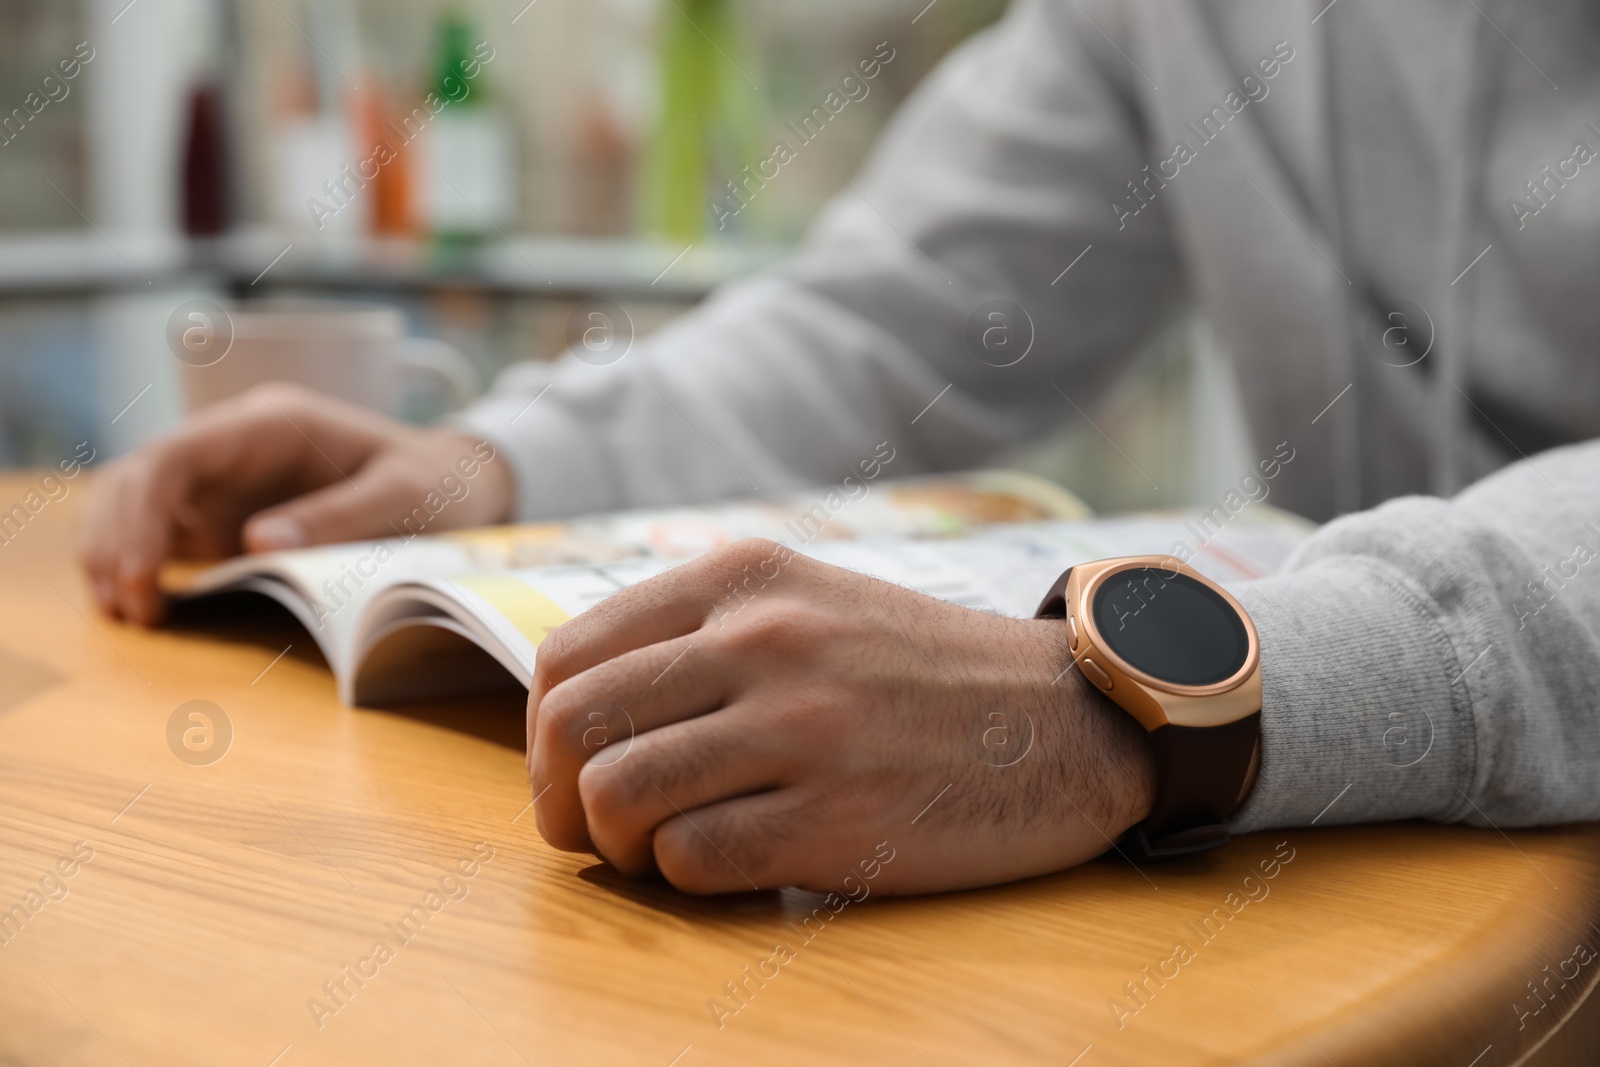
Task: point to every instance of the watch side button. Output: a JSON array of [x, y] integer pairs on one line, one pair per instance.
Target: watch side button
[[1096, 674], [1072, 632]]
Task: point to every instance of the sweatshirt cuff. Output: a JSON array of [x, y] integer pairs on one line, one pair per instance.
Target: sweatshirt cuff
[[1364, 717], [558, 463]]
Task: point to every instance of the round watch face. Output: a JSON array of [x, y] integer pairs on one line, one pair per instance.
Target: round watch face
[[1171, 627]]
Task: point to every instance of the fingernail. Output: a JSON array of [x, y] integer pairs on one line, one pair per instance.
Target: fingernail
[[276, 532]]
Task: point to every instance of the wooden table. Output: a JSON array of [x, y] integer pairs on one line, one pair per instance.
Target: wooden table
[[221, 897]]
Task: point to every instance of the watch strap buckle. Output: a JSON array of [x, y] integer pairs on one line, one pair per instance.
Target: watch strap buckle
[[1138, 846]]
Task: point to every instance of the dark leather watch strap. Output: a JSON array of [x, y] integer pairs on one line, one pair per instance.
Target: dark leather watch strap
[[1200, 774]]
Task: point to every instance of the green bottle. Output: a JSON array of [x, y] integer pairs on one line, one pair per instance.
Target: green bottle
[[470, 184], [709, 120]]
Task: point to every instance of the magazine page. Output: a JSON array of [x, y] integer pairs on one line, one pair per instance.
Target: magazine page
[[419, 640], [1008, 569], [937, 506], [328, 588], [325, 588], [1004, 569]]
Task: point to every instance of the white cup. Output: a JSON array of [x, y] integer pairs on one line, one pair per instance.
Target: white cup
[[355, 352]]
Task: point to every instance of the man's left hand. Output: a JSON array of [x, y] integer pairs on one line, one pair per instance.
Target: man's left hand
[[756, 718]]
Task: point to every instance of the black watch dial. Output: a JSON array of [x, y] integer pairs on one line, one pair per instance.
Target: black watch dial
[[1171, 627]]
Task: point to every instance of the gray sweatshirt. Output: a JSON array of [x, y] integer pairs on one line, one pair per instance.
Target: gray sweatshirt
[[1388, 212]]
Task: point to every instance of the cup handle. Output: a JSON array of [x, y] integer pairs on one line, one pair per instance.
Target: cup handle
[[427, 356]]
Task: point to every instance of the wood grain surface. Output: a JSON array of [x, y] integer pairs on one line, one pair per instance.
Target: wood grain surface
[[208, 903]]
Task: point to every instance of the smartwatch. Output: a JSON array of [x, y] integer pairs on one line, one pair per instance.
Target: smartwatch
[[1174, 650]]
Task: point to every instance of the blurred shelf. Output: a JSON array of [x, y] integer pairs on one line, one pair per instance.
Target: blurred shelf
[[88, 263]]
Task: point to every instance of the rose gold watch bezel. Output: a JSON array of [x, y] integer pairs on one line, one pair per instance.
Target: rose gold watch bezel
[[1152, 701]]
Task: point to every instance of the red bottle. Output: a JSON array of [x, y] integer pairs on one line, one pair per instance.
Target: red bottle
[[207, 202]]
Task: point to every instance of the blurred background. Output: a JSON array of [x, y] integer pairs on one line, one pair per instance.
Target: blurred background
[[155, 152]]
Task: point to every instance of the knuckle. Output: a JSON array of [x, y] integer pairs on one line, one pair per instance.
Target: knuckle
[[609, 794], [583, 725], [770, 627], [564, 833], [776, 625], [280, 393], [676, 861], [697, 863], [749, 548], [269, 403], [560, 716], [674, 765], [557, 652], [727, 850], [749, 555]]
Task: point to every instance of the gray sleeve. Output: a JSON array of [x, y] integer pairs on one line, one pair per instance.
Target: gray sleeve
[[993, 179], [1438, 658]]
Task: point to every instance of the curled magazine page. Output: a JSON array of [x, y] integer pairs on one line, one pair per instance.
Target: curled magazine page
[[1004, 569]]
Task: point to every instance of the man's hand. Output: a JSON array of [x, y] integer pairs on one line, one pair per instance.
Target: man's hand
[[276, 467], [756, 718]]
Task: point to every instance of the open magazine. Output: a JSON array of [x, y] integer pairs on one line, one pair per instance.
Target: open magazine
[[464, 612]]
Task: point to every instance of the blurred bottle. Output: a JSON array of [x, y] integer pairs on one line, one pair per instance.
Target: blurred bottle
[[605, 156], [394, 187], [468, 179], [316, 148], [709, 118], [207, 194]]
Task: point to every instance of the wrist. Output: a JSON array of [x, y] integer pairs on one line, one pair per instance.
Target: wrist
[[1109, 747], [1179, 655], [1127, 764]]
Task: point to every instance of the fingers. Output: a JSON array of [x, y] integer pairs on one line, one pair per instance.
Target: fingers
[[629, 790], [756, 842], [608, 708], [260, 447], [276, 467], [100, 535], [94, 548], [134, 556], [659, 609], [647, 657], [372, 501]]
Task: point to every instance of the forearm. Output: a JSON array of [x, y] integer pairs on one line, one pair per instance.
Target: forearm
[[1437, 659], [992, 181], [766, 388]]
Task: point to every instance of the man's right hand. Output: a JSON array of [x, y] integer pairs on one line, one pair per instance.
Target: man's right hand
[[276, 467]]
